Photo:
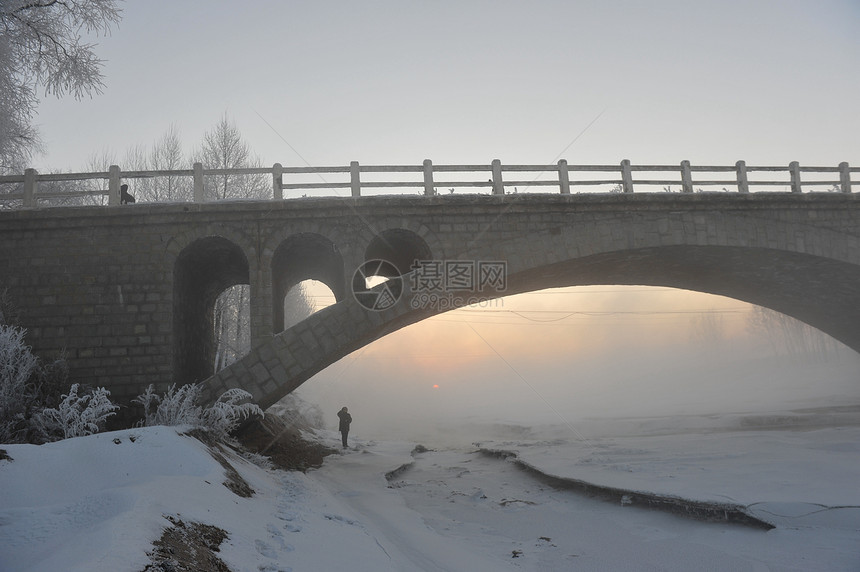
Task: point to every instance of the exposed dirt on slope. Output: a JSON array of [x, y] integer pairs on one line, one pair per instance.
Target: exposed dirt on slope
[[187, 547], [282, 443], [192, 546], [233, 480]]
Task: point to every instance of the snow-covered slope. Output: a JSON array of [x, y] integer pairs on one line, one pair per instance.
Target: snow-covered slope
[[98, 503]]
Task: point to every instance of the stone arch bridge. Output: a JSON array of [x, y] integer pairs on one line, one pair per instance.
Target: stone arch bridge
[[126, 292]]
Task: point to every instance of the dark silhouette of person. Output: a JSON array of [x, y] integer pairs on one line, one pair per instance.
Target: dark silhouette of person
[[124, 196], [343, 426]]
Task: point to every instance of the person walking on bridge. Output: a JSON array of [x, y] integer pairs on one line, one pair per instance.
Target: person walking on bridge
[[343, 426]]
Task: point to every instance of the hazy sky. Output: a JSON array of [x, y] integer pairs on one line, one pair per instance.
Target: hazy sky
[[398, 81]]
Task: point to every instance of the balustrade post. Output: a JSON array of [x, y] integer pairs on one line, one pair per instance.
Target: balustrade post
[[845, 177], [686, 177], [278, 182], [113, 185], [429, 189], [626, 176], [743, 182], [355, 179], [563, 177], [794, 169], [30, 187], [198, 182], [498, 185]]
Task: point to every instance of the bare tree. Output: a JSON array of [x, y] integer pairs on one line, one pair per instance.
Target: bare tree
[[232, 325], [164, 155], [791, 337], [297, 305], [708, 328], [98, 163], [224, 148], [167, 155], [60, 188], [135, 158], [41, 46]]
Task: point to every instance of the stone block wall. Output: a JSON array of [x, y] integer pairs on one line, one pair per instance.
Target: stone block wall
[[97, 283]]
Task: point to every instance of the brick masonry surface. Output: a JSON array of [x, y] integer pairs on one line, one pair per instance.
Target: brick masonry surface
[[99, 284]]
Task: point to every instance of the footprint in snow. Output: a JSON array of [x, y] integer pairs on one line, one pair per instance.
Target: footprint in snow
[[340, 518], [276, 536], [265, 549], [274, 530], [273, 568]]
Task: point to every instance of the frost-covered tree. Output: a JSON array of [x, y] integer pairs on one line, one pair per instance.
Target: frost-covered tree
[[17, 394], [27, 387], [223, 147], [41, 47]]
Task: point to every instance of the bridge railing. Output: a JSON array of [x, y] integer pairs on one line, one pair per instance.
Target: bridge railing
[[430, 179]]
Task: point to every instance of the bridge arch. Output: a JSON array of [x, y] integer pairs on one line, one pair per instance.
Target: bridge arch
[[201, 272], [399, 246], [104, 284], [795, 284], [237, 235], [799, 269], [304, 256]]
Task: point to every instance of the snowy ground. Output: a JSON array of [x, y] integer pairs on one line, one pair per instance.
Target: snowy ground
[[97, 503]]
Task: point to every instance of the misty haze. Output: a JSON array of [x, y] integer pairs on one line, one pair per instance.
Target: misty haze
[[453, 286]]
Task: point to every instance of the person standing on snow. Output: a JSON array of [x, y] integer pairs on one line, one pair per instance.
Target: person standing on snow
[[343, 426]]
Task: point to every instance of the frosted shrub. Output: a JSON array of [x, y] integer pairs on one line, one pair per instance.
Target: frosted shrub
[[176, 407], [228, 411], [17, 394], [27, 385], [180, 407], [76, 415]]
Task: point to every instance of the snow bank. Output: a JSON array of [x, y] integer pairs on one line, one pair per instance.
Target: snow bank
[[97, 503]]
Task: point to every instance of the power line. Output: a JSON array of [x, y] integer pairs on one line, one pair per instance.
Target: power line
[[602, 312], [550, 317], [622, 290]]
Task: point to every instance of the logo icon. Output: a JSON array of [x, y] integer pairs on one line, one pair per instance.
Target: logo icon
[[377, 285]]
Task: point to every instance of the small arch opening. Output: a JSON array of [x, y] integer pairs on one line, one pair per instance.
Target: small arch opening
[[377, 284], [305, 299], [400, 247], [301, 258], [204, 270]]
